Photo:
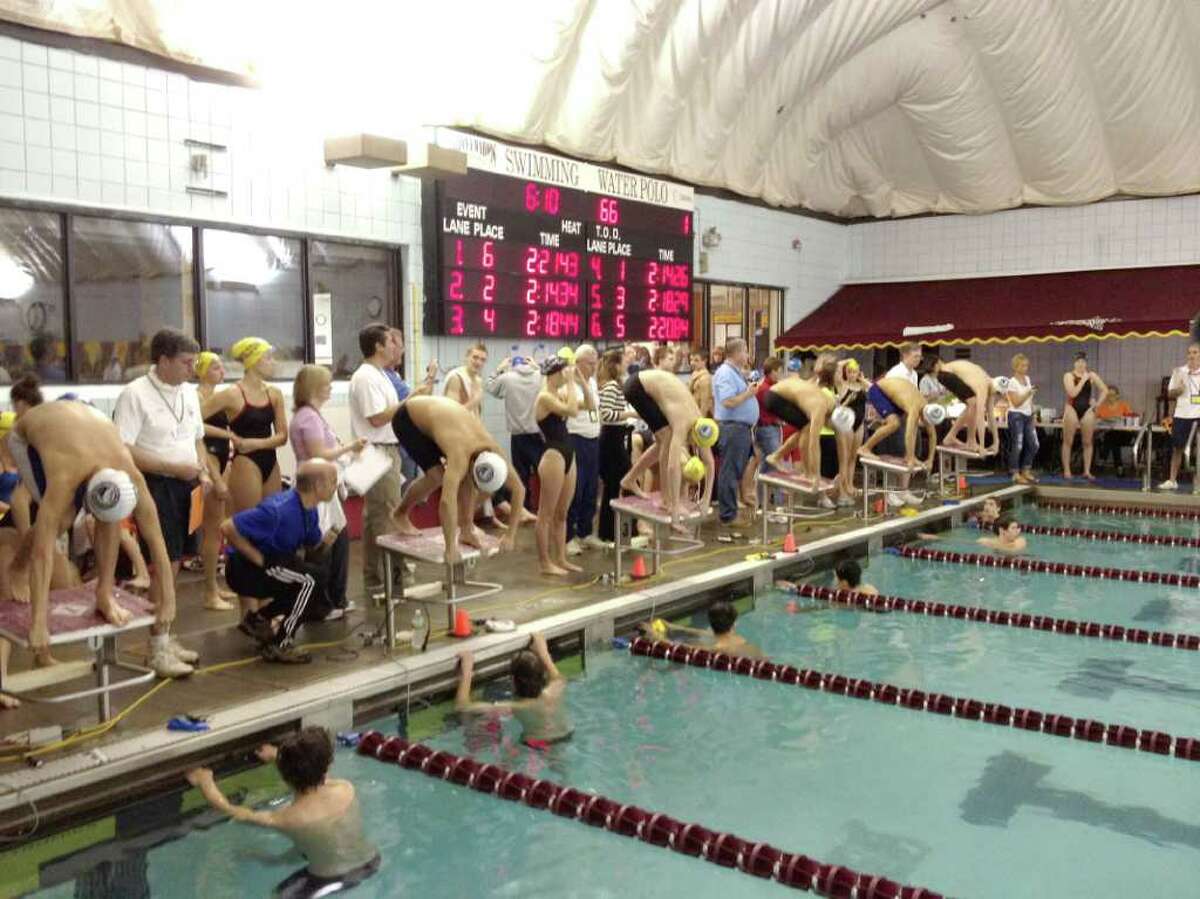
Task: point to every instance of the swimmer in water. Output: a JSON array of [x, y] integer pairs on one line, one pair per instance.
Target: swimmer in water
[[323, 820], [538, 691], [1008, 538], [721, 635], [848, 576]]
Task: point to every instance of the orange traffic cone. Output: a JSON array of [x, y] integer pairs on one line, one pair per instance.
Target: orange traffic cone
[[639, 568], [789, 543]]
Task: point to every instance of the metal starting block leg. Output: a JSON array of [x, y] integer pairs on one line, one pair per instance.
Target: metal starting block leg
[[793, 486], [635, 508]]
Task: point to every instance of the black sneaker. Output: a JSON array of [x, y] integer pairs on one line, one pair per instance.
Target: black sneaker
[[256, 628], [284, 655]]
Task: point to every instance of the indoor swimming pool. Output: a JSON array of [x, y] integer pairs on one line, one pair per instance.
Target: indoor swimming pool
[[959, 806]]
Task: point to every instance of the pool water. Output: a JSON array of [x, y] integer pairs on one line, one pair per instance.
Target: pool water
[[964, 808], [1125, 524]]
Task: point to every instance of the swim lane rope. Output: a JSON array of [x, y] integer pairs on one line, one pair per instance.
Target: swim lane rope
[[1117, 735], [724, 849], [1126, 511], [1067, 626], [1042, 530], [1023, 563]]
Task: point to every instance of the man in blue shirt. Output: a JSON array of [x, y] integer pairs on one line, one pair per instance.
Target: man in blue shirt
[[408, 467], [736, 412], [263, 565]]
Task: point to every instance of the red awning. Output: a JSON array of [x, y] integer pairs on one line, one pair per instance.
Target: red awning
[[1094, 305]]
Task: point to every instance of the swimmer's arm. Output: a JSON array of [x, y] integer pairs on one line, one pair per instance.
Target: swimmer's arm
[[202, 779], [241, 544], [538, 644], [462, 697], [1102, 387], [1072, 390]]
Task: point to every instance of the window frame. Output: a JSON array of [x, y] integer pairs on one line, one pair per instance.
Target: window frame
[[775, 310], [393, 313]]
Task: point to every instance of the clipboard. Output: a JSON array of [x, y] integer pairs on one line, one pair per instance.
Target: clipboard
[[366, 469], [196, 512]]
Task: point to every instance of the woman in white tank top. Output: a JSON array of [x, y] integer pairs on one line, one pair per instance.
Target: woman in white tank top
[[1022, 434]]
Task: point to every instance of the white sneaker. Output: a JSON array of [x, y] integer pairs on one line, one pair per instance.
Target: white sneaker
[[593, 541], [185, 655], [573, 548], [165, 664], [825, 502], [894, 500], [910, 499], [1168, 485]]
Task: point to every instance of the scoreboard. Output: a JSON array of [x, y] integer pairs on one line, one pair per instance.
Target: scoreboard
[[530, 245]]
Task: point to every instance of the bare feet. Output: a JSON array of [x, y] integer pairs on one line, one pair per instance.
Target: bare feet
[[570, 566], [112, 612], [141, 582], [553, 570], [632, 487], [527, 517], [9, 702], [865, 453], [42, 657], [471, 536], [498, 524], [214, 602], [404, 526], [951, 441]]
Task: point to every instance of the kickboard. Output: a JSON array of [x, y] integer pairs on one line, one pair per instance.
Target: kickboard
[[799, 483], [651, 509], [73, 616], [430, 546]]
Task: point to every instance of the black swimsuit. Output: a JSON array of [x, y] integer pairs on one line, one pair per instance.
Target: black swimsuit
[[956, 385], [856, 402], [218, 447], [256, 422], [1082, 402], [785, 410], [643, 403], [554, 430]]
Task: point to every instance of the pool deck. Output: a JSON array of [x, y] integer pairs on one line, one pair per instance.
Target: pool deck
[[248, 700]]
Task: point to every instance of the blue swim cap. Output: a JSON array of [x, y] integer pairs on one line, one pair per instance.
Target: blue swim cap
[[794, 364]]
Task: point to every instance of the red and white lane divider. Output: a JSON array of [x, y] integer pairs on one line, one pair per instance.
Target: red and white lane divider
[[1127, 511], [1165, 639], [1022, 563], [1118, 735], [728, 851], [1042, 530]]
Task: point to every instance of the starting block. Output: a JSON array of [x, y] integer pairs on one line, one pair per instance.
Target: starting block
[[952, 465], [889, 470], [430, 546], [793, 484], [73, 619], [652, 511]]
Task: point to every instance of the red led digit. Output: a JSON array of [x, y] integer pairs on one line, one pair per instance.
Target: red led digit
[[597, 266], [566, 264], [551, 201], [619, 293], [456, 285], [531, 322], [651, 273], [571, 291], [531, 291], [532, 197], [489, 318], [458, 252], [456, 319], [594, 326], [594, 293], [543, 261], [488, 257], [619, 325], [687, 223], [531, 255], [652, 301], [489, 288], [607, 211], [621, 271]]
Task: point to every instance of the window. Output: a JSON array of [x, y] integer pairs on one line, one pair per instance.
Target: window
[[253, 289], [128, 280], [32, 332], [740, 310], [352, 286]]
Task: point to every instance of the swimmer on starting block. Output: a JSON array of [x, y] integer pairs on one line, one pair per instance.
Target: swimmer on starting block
[[1008, 538], [721, 636], [323, 820], [973, 387], [890, 398], [668, 408], [538, 692], [71, 457], [449, 441], [805, 406]]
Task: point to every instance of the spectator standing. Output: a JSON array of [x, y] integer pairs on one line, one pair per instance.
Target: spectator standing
[[701, 383], [518, 381], [158, 415], [373, 404], [395, 374], [584, 429], [312, 438], [616, 419], [1184, 389], [736, 412], [1022, 432]]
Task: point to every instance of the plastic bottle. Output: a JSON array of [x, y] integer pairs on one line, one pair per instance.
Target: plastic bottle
[[420, 629]]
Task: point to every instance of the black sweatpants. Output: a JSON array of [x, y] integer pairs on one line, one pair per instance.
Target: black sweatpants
[[614, 465], [298, 591], [335, 561]]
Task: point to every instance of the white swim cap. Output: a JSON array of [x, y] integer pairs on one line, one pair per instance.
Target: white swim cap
[[490, 471], [935, 414], [110, 495], [1000, 383], [842, 419], [956, 409]]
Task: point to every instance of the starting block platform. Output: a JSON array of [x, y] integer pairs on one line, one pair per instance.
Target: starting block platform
[[889, 470], [794, 485], [73, 619], [651, 510], [952, 463], [430, 546]]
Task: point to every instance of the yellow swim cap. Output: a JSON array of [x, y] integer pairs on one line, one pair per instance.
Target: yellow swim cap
[[705, 432], [659, 627], [693, 470], [204, 361], [249, 350], [851, 365], [567, 354], [7, 420]]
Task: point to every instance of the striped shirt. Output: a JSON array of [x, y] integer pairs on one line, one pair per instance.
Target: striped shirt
[[612, 403]]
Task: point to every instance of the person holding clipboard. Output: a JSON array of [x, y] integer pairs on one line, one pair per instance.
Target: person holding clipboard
[[1184, 389]]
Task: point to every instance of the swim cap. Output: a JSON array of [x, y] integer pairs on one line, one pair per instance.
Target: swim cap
[[489, 471], [7, 420], [110, 495], [935, 414], [794, 364], [705, 432], [1000, 384], [851, 365], [553, 365], [693, 470], [204, 362], [567, 354], [842, 419], [249, 350], [659, 627], [956, 409]]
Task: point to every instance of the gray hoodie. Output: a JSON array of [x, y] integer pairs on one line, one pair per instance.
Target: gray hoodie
[[518, 387]]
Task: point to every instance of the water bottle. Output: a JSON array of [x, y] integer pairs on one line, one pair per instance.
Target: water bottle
[[420, 629]]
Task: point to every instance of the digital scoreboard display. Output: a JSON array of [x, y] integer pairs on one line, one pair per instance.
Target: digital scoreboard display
[[512, 256]]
